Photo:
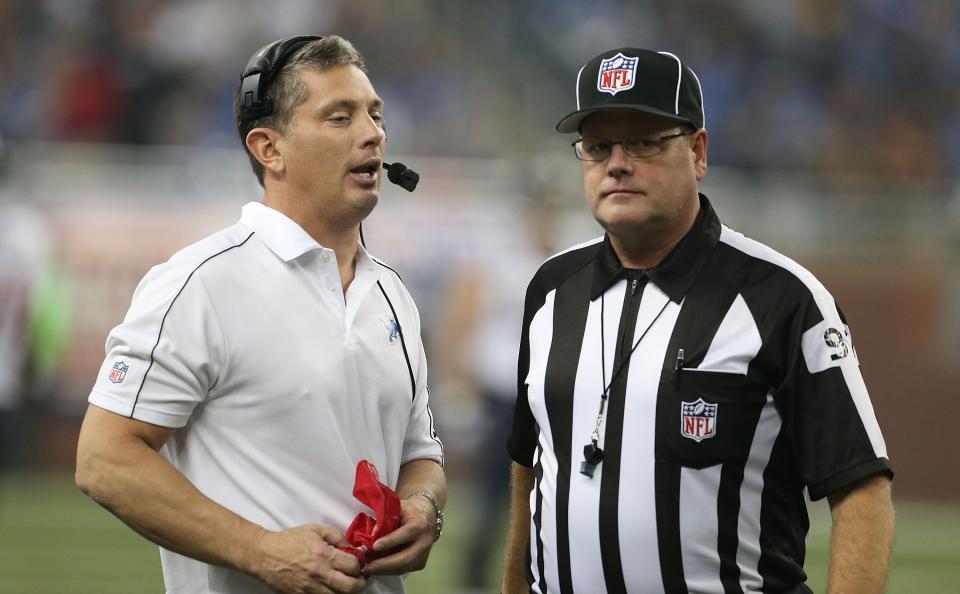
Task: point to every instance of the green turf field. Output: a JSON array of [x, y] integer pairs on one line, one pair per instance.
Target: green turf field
[[53, 540]]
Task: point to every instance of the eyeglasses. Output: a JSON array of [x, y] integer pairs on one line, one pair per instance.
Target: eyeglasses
[[599, 149]]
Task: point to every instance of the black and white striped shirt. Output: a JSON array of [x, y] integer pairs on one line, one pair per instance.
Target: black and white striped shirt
[[708, 452]]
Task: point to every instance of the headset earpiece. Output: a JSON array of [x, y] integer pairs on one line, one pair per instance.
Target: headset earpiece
[[263, 66], [261, 69]]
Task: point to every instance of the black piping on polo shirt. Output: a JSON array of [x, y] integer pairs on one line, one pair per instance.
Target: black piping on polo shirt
[[406, 354], [403, 341], [169, 307]]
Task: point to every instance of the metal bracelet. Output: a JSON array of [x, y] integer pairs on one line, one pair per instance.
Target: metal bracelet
[[436, 508]]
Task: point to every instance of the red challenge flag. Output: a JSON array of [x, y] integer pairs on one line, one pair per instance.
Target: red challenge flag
[[366, 529]]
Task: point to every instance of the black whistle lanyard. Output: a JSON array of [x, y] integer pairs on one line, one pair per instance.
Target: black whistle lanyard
[[592, 453]]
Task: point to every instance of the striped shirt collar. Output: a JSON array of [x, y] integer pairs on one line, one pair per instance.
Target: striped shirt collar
[[676, 273]]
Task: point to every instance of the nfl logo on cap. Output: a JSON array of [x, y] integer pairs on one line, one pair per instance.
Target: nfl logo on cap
[[643, 81], [617, 73]]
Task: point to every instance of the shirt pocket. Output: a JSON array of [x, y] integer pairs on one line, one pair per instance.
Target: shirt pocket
[[705, 418]]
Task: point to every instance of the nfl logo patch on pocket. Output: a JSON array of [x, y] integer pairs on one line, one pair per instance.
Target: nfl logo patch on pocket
[[698, 420]]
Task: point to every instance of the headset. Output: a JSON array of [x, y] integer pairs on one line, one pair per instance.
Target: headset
[[255, 103], [262, 67]]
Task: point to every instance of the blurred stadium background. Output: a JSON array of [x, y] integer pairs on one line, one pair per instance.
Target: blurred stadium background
[[834, 136]]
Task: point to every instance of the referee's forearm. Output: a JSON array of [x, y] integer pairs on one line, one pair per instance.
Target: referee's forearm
[[518, 537], [124, 474], [862, 537]]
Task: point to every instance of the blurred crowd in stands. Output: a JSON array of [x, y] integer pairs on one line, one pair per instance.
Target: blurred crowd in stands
[[869, 88], [854, 86]]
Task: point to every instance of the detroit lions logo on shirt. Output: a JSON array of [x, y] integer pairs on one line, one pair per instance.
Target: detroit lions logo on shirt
[[393, 329]]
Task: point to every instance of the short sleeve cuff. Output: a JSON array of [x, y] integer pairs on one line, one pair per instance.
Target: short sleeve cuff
[[848, 477], [139, 412], [435, 454], [522, 455]]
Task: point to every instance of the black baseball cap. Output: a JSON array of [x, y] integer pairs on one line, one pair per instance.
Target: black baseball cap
[[632, 79]]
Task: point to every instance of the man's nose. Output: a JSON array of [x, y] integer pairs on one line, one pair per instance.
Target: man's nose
[[373, 133], [619, 162]]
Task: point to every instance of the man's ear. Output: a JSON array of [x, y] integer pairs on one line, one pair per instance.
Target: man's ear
[[263, 145], [700, 153]]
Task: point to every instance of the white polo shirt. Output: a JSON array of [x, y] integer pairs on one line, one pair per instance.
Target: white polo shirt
[[278, 385]]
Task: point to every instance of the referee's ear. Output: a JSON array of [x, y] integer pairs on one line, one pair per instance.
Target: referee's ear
[[699, 148], [263, 145]]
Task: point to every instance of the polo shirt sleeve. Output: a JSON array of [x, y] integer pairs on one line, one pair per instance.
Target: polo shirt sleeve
[[421, 440], [835, 436], [166, 354]]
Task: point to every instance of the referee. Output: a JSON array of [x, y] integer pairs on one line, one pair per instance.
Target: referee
[[681, 385]]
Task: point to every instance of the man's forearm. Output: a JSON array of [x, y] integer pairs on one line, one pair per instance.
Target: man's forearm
[[422, 475], [862, 538], [135, 483], [518, 537]]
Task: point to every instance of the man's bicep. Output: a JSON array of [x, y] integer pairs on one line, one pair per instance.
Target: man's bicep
[[103, 428], [522, 479], [862, 533], [521, 485]]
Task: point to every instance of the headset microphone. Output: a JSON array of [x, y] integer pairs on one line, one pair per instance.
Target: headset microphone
[[400, 175]]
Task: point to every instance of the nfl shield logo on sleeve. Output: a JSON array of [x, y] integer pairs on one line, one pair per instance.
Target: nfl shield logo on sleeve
[[118, 372], [698, 420], [617, 74]]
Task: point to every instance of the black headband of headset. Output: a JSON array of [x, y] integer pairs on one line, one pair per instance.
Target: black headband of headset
[[262, 68]]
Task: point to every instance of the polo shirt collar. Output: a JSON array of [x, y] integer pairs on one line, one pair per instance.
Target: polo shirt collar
[[676, 273], [286, 238], [279, 232]]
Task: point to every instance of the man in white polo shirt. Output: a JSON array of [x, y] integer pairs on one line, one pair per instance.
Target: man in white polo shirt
[[257, 367]]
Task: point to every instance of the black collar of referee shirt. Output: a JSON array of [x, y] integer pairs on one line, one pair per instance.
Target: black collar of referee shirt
[[676, 273]]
